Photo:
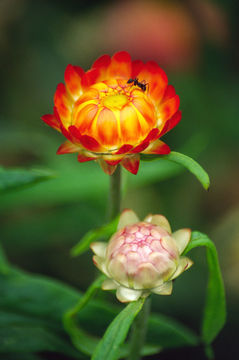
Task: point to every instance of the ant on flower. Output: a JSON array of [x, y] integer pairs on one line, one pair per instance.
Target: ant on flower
[[135, 81]]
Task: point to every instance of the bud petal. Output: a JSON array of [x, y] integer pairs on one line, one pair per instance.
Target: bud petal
[[165, 289], [99, 248], [109, 285], [125, 295], [184, 264], [182, 238], [142, 257], [128, 217], [159, 220]]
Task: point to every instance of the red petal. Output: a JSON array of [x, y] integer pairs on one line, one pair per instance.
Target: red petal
[[73, 78], [153, 135], [124, 149], [113, 162], [51, 120], [140, 148], [108, 169], [137, 66], [86, 141], [120, 65], [63, 103], [90, 143], [82, 158], [169, 93], [170, 107], [66, 133], [67, 148], [91, 77], [131, 163], [156, 79], [102, 62], [158, 147], [171, 123]]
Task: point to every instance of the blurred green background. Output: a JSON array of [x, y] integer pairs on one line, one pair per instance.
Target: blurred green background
[[196, 43]]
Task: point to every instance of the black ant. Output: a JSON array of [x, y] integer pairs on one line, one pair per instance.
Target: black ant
[[135, 81]]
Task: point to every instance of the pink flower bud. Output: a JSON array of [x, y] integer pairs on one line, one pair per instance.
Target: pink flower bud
[[142, 257]]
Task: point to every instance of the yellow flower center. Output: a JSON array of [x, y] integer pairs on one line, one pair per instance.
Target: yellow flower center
[[114, 113], [115, 101]]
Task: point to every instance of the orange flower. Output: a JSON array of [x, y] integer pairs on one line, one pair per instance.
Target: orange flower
[[114, 111]]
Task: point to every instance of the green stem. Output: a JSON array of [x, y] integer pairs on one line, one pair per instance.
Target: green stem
[[115, 193], [138, 332]]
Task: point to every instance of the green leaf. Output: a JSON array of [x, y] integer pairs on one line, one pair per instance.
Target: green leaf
[[4, 266], [20, 356], [185, 161], [82, 341], [169, 333], [214, 316], [14, 179], [20, 333], [104, 231], [45, 301], [108, 347]]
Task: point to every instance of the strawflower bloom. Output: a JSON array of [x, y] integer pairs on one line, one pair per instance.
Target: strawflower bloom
[[114, 111], [142, 257]]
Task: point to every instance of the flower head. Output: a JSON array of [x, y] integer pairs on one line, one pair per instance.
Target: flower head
[[114, 111], [142, 257]]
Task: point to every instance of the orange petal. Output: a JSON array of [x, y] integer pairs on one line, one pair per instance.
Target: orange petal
[[108, 169], [146, 110], [120, 65], [73, 78], [83, 158], [131, 163], [51, 120], [170, 107], [157, 147], [84, 119], [171, 122], [63, 104], [67, 148], [107, 128], [130, 125]]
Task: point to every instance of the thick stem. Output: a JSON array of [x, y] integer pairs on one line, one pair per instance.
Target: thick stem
[[138, 332], [115, 194]]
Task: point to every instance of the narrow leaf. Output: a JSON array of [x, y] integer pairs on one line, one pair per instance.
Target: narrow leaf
[[4, 266], [14, 179], [185, 161], [169, 333], [214, 316], [104, 231], [82, 341], [21, 333], [108, 347]]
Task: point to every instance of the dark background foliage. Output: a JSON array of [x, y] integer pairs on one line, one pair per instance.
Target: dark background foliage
[[196, 42]]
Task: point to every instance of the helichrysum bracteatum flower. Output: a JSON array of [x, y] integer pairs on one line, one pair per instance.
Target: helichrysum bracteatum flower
[[114, 111], [142, 257]]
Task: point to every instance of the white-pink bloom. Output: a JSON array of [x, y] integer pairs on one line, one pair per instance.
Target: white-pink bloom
[[142, 257]]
